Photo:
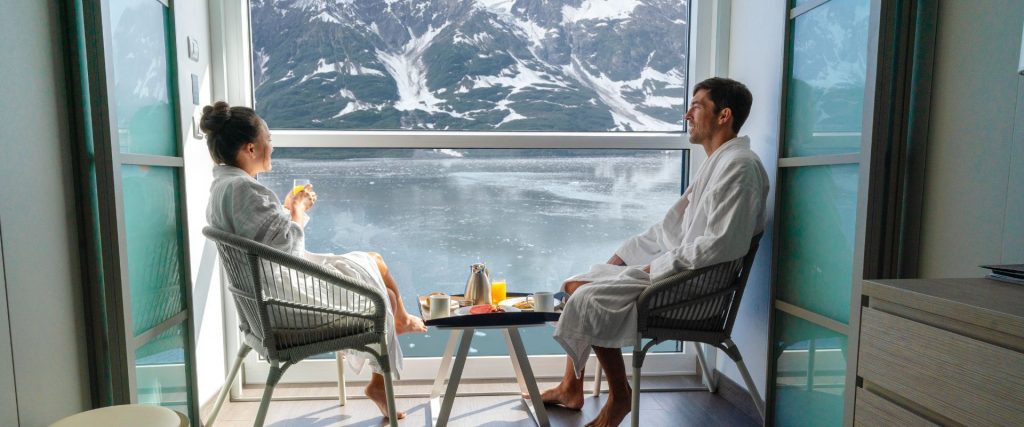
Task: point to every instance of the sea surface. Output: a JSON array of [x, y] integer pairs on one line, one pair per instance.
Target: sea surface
[[534, 217]]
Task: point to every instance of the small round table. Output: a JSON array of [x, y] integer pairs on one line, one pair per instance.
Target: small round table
[[126, 416]]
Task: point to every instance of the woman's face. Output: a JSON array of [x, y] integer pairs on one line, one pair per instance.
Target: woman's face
[[263, 148]]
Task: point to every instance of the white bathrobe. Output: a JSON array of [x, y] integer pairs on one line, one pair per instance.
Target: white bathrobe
[[240, 205], [712, 222]]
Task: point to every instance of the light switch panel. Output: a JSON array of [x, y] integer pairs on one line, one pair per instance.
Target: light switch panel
[[195, 89], [193, 49]]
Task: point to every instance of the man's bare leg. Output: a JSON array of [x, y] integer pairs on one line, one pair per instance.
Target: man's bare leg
[[568, 393], [375, 391], [404, 322], [619, 394]]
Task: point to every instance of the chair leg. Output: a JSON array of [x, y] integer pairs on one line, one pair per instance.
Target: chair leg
[[273, 377], [637, 362], [597, 378], [389, 389], [242, 352], [746, 377], [701, 359], [339, 357]]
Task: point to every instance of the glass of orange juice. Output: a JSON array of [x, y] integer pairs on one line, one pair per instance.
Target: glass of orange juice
[[298, 185], [498, 293]]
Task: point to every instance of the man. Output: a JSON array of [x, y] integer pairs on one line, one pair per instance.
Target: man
[[712, 222]]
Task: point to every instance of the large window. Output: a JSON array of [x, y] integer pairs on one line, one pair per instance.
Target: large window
[[534, 217], [534, 136], [479, 65]]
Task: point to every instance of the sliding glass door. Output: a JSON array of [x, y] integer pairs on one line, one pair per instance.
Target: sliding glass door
[[130, 169], [820, 170]]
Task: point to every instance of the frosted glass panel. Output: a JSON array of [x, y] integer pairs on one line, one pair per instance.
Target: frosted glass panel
[[160, 374], [810, 373], [825, 103], [818, 214], [153, 231], [142, 78]]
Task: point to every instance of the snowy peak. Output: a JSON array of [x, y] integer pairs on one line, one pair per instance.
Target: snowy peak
[[569, 65]]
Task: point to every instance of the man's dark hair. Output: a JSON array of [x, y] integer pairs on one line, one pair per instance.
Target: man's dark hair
[[731, 94]]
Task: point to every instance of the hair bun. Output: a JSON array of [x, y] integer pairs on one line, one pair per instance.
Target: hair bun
[[214, 117]]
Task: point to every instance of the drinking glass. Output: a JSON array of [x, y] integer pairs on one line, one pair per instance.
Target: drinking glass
[[498, 293], [298, 185]]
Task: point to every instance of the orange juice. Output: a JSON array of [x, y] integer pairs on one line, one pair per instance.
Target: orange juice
[[298, 188], [498, 291]]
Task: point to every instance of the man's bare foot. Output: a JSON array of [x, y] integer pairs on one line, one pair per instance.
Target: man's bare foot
[[408, 323], [614, 410], [376, 394], [567, 396]]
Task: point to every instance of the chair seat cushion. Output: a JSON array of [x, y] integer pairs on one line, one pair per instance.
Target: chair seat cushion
[[346, 327]]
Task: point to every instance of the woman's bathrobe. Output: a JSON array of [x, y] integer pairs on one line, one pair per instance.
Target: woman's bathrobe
[[240, 205], [712, 222]]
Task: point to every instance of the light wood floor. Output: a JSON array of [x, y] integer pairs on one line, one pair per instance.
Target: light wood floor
[[502, 408]]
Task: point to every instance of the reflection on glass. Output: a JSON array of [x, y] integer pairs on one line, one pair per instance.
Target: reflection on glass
[[142, 77], [819, 208], [160, 374], [534, 217], [810, 373], [153, 236], [825, 103]]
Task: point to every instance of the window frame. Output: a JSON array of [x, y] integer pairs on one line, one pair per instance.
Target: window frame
[[708, 29], [708, 45]]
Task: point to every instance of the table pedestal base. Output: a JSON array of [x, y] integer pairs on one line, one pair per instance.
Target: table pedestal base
[[458, 350]]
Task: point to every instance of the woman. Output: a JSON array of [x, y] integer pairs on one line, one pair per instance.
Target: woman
[[239, 144]]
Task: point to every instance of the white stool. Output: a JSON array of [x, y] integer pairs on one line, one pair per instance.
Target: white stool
[[126, 416]]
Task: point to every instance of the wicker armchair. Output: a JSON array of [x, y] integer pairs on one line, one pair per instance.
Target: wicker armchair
[[698, 306], [290, 309]]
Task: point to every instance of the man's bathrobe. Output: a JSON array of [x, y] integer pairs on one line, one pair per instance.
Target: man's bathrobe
[[712, 222], [240, 205]]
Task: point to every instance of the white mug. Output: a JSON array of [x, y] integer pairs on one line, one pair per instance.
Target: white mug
[[440, 306], [543, 301]]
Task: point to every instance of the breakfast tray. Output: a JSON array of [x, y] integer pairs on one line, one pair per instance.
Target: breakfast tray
[[487, 319]]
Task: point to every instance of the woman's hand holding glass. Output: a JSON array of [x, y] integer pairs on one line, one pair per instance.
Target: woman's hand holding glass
[[303, 199]]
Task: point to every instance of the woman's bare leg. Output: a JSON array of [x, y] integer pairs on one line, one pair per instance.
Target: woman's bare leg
[[375, 391], [404, 322]]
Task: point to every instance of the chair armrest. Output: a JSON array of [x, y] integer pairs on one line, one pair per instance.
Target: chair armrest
[[273, 255], [329, 276], [319, 308]]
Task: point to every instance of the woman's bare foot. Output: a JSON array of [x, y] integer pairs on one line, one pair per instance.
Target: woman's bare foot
[[408, 323], [564, 395], [614, 410], [375, 391]]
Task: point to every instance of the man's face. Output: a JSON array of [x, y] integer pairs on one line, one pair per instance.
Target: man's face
[[701, 118]]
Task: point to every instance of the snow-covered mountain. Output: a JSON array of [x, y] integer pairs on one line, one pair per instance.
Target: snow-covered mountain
[[570, 65]]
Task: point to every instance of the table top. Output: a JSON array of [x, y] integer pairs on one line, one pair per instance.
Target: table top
[[490, 320]]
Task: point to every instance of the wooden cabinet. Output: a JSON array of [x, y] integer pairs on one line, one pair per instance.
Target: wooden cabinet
[[941, 351]]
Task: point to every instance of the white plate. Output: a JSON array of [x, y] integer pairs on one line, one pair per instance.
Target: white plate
[[510, 303], [465, 310]]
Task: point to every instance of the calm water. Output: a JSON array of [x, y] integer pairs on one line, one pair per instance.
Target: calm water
[[532, 220]]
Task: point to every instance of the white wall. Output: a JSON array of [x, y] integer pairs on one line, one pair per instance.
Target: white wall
[[755, 59], [44, 295], [193, 20], [974, 190]]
